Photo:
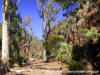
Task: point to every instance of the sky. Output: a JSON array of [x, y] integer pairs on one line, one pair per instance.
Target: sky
[[29, 7]]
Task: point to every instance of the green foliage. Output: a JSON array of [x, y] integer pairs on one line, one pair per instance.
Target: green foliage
[[80, 13], [55, 38], [64, 3], [53, 43], [71, 20], [64, 51], [39, 54], [74, 65], [65, 26], [12, 7], [15, 31], [61, 28], [92, 33], [81, 31], [85, 34]]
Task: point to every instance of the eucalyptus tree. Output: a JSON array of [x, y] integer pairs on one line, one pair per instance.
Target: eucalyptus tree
[[11, 32], [27, 34], [48, 10], [5, 35]]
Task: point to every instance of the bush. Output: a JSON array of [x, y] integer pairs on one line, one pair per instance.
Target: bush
[[64, 52], [91, 34], [74, 65], [84, 35], [52, 44]]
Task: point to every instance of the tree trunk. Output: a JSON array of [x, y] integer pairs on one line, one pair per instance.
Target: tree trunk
[[26, 51], [44, 56], [5, 38], [45, 35]]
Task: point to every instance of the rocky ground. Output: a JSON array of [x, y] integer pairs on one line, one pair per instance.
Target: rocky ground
[[38, 67]]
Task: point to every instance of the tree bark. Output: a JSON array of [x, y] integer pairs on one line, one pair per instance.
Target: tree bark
[[45, 34], [5, 38], [44, 55], [27, 51]]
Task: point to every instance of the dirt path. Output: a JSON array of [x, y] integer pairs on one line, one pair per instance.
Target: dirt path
[[37, 72], [37, 67]]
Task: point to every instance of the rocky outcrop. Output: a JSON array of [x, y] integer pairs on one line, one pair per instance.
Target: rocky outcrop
[[85, 18]]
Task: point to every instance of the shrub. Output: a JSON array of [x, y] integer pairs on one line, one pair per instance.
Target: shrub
[[74, 65], [52, 44], [64, 51], [85, 35], [92, 33]]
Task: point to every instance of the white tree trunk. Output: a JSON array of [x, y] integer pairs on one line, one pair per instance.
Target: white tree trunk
[[5, 38], [44, 56], [45, 35], [26, 51]]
